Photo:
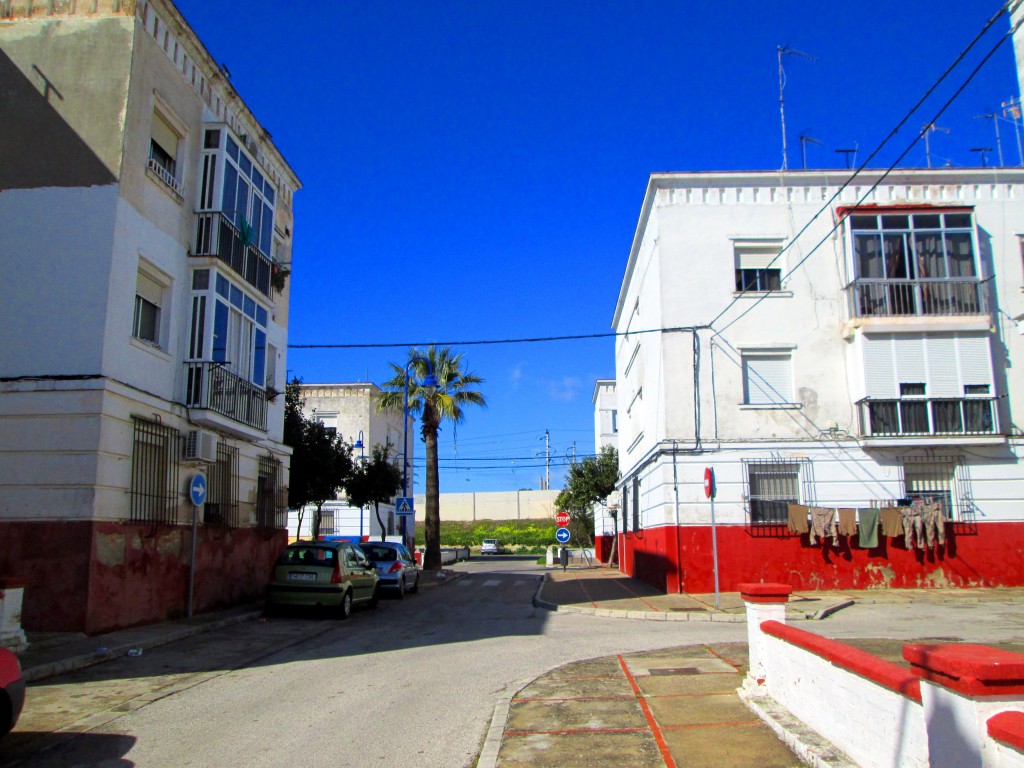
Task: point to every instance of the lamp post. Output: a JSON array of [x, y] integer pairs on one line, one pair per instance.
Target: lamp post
[[362, 460], [429, 385]]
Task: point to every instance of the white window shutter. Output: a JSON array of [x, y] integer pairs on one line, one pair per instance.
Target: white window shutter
[[149, 289], [768, 379], [164, 136], [879, 368], [975, 360], [910, 359], [758, 258], [943, 368]]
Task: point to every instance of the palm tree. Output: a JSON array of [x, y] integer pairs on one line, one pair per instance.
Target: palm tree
[[454, 391]]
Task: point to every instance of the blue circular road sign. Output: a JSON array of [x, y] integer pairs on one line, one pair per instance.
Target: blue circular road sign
[[197, 489], [562, 534]]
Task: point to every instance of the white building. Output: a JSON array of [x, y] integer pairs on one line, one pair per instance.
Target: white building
[[146, 238], [350, 410], [870, 358]]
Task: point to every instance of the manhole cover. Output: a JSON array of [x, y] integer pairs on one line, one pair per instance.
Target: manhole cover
[[674, 671]]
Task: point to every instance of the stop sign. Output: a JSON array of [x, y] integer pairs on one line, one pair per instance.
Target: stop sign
[[562, 518]]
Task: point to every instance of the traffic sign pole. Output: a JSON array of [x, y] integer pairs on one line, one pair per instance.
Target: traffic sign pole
[[710, 490], [197, 493]]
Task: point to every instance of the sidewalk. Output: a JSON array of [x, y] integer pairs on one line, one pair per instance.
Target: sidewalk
[[56, 653], [673, 707]]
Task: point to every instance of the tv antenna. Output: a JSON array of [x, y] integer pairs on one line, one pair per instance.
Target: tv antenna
[[999, 142], [804, 141], [983, 151], [846, 155], [928, 129], [785, 50]]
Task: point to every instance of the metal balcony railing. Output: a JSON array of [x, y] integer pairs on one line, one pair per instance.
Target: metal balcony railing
[[923, 298], [217, 236], [914, 417], [211, 386]]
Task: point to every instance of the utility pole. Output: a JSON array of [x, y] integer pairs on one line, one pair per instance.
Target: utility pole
[[547, 460]]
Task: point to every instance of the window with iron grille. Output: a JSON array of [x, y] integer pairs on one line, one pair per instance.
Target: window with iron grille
[[154, 488], [327, 523], [934, 480], [222, 488], [771, 486], [271, 496]]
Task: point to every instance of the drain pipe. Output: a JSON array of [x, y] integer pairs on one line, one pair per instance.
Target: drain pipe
[[679, 550]]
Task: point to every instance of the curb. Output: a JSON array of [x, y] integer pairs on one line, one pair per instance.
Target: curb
[[50, 669], [610, 613]]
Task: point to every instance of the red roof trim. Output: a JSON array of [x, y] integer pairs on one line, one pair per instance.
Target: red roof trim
[[845, 210], [884, 673]]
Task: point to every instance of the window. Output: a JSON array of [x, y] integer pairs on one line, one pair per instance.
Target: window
[[771, 488], [271, 495], [248, 197], [767, 377], [163, 152], [148, 300], [931, 480], [221, 506], [915, 263], [758, 267], [239, 330], [154, 484], [636, 503], [615, 422]]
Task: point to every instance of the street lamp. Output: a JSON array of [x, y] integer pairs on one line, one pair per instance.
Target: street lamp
[[362, 460], [429, 385]]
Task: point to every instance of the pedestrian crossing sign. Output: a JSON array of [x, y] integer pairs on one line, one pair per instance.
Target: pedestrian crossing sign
[[403, 506]]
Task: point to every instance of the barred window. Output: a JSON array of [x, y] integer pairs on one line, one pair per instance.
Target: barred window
[[154, 489], [271, 495], [222, 494], [771, 487], [931, 479]]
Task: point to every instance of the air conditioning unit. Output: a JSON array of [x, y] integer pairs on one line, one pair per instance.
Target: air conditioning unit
[[201, 445]]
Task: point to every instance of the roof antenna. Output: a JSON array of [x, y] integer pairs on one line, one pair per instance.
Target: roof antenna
[[804, 141], [786, 50], [927, 130]]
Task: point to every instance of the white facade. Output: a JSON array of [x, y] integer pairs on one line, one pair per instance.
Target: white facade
[[606, 433], [351, 411], [147, 225], [853, 386]]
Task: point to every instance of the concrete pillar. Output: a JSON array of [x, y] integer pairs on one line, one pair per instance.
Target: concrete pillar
[[962, 686], [12, 593], [764, 602]]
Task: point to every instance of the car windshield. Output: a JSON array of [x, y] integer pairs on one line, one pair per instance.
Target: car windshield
[[385, 554], [309, 555]]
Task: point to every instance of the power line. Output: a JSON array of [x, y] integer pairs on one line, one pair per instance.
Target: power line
[[476, 342]]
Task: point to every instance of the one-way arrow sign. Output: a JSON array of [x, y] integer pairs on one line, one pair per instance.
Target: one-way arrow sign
[[403, 506]]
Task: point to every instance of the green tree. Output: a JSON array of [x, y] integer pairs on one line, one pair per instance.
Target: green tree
[[375, 481], [455, 390], [321, 463], [587, 483]]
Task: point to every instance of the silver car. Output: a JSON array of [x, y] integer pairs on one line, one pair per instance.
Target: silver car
[[396, 568]]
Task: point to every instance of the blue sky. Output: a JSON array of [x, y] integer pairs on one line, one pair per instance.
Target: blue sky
[[474, 170]]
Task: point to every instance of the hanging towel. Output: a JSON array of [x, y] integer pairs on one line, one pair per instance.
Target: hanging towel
[[869, 528], [823, 524], [892, 522], [798, 518], [847, 522]]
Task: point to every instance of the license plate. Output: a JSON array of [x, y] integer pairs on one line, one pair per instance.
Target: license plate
[[301, 577]]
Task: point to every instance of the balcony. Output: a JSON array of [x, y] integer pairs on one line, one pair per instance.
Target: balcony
[[942, 297], [211, 387], [218, 237], [923, 417]]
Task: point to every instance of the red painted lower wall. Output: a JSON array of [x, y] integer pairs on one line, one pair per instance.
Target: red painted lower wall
[[97, 576], [986, 554], [603, 548]]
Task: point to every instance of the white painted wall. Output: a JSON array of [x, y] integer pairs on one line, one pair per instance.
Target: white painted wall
[[681, 272]]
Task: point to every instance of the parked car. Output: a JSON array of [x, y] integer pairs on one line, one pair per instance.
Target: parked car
[[492, 547], [12, 691], [396, 567], [328, 574]]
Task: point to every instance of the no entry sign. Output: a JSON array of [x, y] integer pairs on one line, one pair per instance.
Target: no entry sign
[[562, 518], [709, 482]]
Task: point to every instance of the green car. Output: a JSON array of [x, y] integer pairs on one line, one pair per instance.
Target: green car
[[326, 574]]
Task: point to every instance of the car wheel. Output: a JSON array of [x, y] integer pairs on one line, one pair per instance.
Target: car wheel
[[5, 715], [401, 588], [345, 609], [375, 600], [415, 585]]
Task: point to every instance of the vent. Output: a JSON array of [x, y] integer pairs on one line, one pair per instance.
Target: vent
[[200, 445]]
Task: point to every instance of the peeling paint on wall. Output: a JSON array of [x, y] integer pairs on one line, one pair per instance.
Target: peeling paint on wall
[[110, 549]]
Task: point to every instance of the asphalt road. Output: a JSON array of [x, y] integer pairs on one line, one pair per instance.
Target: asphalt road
[[413, 683]]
